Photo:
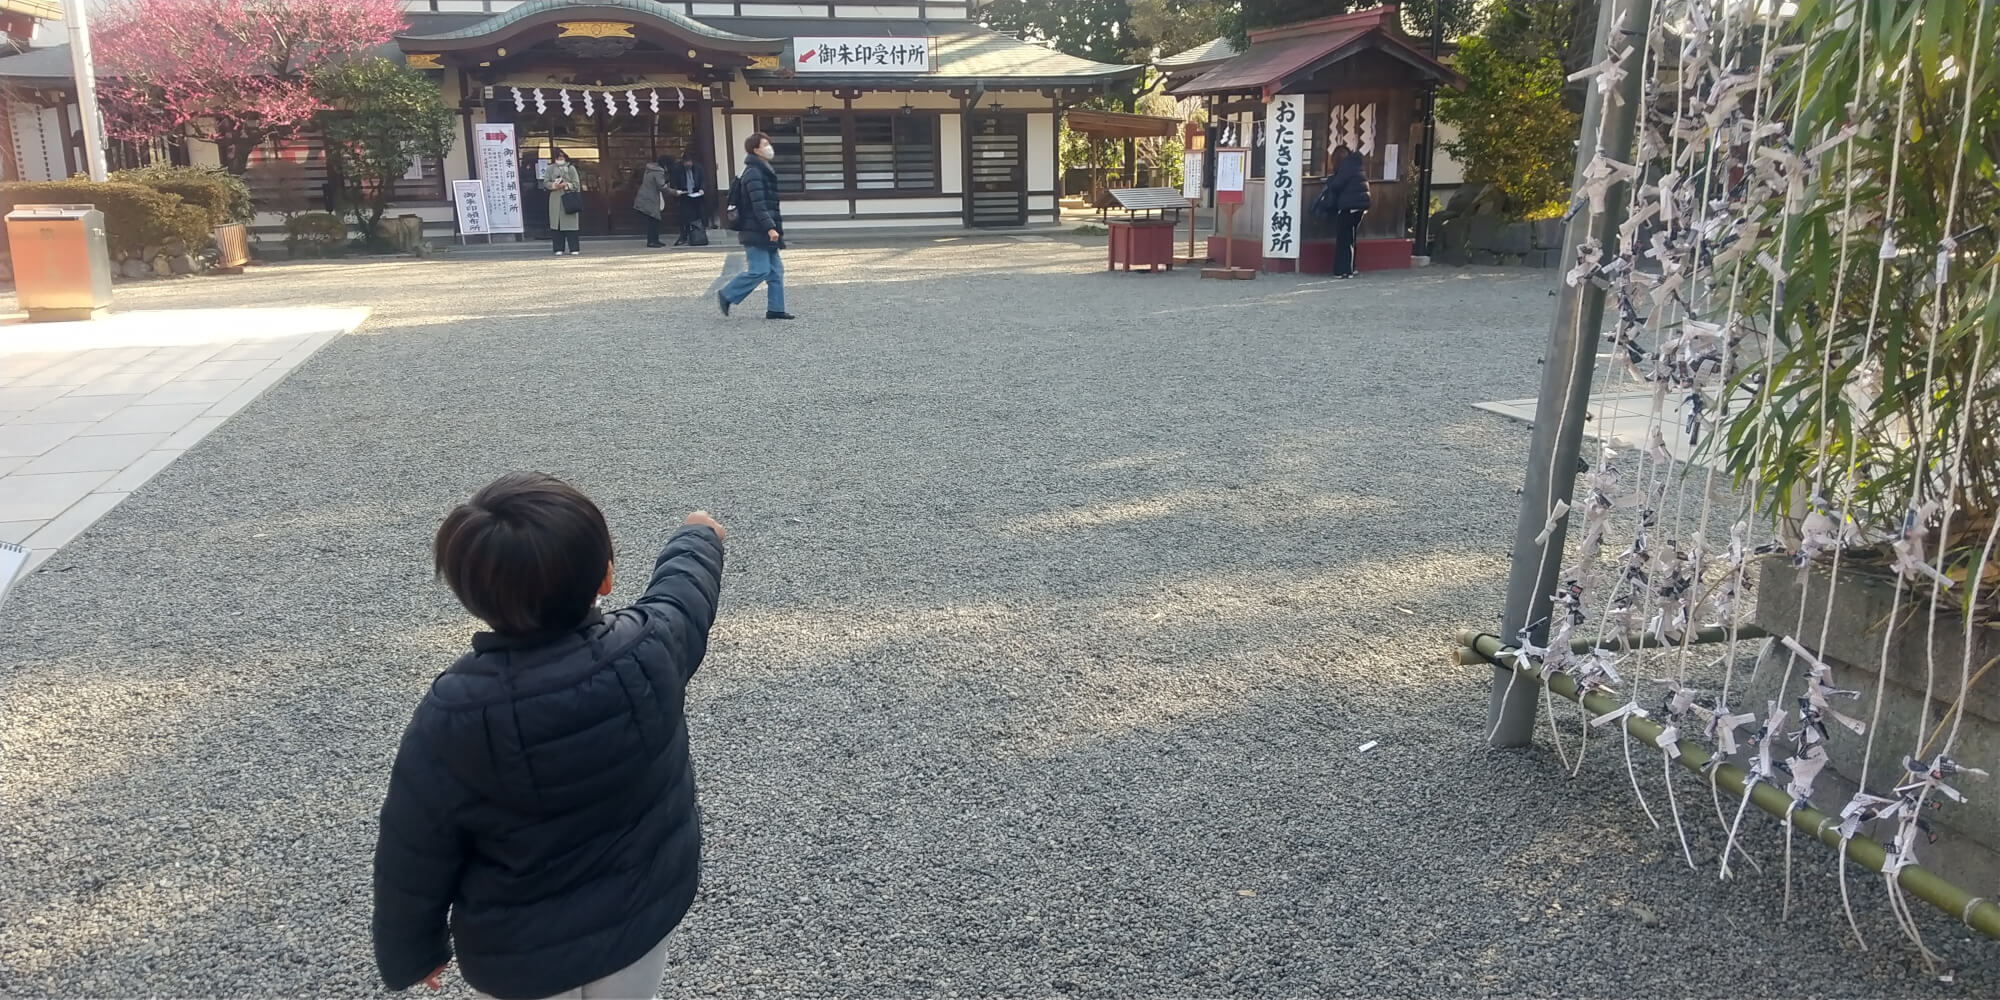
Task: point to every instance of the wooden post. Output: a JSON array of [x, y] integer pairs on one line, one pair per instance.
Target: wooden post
[[1229, 238]]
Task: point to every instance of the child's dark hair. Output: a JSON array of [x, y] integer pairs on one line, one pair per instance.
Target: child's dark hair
[[526, 554]]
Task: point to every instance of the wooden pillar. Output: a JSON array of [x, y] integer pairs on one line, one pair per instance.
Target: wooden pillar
[[10, 160], [68, 143], [704, 140], [966, 109]]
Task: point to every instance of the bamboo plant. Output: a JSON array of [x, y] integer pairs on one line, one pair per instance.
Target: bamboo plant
[[1880, 390]]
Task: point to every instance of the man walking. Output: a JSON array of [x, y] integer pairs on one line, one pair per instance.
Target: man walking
[[761, 230]]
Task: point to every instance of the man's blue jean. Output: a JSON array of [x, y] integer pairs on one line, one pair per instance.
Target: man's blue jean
[[765, 266]]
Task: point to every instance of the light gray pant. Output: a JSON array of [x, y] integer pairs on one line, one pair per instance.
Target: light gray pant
[[638, 981]]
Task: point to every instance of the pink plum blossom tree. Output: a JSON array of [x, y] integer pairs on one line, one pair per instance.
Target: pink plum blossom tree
[[235, 72]]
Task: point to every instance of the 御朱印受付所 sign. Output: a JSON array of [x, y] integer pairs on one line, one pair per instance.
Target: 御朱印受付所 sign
[[847, 54]]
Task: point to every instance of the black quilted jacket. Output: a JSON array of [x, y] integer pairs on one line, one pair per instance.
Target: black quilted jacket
[[543, 797], [761, 201]]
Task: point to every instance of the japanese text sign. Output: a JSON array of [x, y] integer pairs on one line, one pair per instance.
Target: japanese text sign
[[1230, 167], [469, 197], [1286, 150], [837, 54], [501, 173]]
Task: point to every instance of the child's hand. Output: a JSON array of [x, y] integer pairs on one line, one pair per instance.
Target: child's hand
[[432, 979], [701, 517]]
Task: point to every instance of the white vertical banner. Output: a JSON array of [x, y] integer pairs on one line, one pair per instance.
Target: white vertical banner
[[500, 169], [1284, 151], [469, 197]]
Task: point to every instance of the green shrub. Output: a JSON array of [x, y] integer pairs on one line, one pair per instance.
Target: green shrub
[[135, 216], [223, 195], [191, 224], [1513, 130], [316, 234]]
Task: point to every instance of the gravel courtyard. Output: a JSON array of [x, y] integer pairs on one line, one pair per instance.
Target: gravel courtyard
[[1057, 606]]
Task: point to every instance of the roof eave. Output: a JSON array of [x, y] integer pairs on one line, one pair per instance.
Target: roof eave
[[527, 18]]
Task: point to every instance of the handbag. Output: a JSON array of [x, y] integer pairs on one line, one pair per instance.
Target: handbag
[[572, 203], [1322, 203]]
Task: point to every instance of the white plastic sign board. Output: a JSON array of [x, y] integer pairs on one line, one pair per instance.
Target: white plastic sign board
[[1191, 176], [500, 170], [12, 558], [851, 54], [1231, 169], [1389, 164], [1285, 153], [470, 199]]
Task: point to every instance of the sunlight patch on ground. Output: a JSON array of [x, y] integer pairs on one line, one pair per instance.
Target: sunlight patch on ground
[[1259, 505]]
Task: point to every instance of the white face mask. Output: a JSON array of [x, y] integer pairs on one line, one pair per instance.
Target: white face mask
[[765, 151]]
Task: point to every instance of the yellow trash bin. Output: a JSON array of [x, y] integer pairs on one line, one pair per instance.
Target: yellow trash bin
[[62, 268]]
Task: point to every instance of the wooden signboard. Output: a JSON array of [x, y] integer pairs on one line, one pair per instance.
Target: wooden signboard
[[1232, 166]]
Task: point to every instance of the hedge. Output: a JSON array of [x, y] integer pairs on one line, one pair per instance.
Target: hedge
[[223, 195], [135, 216]]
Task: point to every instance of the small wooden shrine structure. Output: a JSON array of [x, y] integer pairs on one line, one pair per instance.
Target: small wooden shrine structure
[[1355, 79]]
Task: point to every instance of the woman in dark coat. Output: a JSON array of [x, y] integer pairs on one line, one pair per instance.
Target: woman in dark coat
[[1347, 192]]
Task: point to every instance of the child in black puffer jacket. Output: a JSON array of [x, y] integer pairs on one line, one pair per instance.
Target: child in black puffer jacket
[[542, 796]]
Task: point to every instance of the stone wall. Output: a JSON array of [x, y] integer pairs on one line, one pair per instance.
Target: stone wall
[[1968, 846], [1471, 229]]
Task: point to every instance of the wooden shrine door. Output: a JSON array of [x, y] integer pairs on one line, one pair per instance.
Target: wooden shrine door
[[997, 188]]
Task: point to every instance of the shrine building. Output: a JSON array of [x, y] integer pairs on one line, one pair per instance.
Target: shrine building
[[883, 115]]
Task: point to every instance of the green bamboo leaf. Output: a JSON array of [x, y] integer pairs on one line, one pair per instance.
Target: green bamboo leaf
[[1930, 43]]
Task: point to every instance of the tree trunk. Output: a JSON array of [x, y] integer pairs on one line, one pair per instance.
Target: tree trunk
[[235, 152]]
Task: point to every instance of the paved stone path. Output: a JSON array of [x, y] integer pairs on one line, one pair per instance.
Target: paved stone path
[[90, 411], [1059, 605]]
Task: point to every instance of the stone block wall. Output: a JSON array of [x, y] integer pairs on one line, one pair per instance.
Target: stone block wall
[[1471, 229], [1968, 846]]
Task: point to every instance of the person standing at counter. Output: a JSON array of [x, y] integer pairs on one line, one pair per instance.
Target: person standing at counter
[[565, 188], [1345, 200]]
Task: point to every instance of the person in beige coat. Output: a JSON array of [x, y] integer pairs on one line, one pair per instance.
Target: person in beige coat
[[651, 201], [562, 179]]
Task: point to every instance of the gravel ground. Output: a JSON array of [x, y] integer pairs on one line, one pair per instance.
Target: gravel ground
[[1058, 604]]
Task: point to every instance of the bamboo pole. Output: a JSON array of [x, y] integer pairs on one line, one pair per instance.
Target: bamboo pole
[[1976, 912]]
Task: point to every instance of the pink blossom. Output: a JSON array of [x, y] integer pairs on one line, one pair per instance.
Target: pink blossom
[[237, 72]]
